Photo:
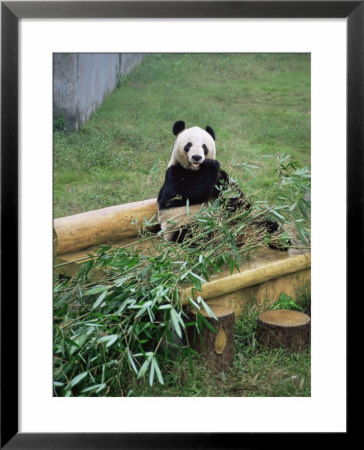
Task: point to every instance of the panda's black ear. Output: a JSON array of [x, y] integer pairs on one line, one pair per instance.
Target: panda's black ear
[[178, 127], [210, 131]]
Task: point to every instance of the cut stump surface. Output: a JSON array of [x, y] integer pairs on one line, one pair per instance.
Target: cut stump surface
[[282, 327]]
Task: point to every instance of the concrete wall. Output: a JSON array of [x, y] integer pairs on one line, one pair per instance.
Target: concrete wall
[[81, 81]]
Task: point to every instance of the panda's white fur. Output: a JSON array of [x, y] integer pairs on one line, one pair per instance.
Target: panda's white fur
[[198, 138]]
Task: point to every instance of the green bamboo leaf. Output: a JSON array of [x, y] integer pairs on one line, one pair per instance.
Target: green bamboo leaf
[[110, 339], [158, 371], [151, 373], [184, 275], [206, 322], [277, 214], [77, 379], [78, 342], [175, 317], [99, 299], [193, 303], [206, 307], [129, 301], [64, 298], [165, 307], [145, 365], [198, 277], [131, 361], [96, 387], [120, 281], [96, 290], [144, 308]]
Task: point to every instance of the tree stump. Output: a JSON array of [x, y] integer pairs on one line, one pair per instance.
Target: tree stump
[[282, 327], [217, 348]]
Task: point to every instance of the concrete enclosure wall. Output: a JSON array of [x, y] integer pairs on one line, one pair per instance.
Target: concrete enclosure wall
[[81, 81]]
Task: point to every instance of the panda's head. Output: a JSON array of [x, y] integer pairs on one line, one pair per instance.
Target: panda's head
[[192, 146]]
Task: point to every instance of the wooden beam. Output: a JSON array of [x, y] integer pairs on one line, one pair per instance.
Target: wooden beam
[[102, 226], [250, 277]]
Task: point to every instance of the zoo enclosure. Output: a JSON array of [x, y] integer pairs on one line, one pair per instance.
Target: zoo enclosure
[[81, 81]]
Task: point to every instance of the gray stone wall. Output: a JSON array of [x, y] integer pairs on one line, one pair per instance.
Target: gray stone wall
[[81, 81]]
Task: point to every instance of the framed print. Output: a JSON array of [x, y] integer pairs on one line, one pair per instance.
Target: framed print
[[31, 32]]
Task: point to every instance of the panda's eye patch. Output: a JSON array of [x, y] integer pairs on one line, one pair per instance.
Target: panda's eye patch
[[188, 146], [205, 149]]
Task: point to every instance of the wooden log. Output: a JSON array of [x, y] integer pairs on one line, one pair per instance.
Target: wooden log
[[282, 327], [102, 226], [250, 277], [217, 348]]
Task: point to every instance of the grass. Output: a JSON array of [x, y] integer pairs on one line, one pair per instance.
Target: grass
[[258, 105], [267, 373]]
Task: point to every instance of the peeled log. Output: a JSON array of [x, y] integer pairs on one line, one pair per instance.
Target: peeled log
[[102, 226], [250, 277], [282, 327], [217, 348]]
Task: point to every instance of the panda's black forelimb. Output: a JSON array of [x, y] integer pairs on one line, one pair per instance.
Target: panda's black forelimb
[[272, 227], [240, 201], [234, 202], [182, 184], [269, 225], [179, 235]]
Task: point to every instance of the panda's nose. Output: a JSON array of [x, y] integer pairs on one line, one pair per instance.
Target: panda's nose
[[196, 157]]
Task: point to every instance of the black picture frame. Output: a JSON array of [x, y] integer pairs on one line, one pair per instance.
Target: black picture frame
[[11, 12]]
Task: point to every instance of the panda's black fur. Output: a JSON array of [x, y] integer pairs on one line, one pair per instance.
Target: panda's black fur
[[188, 179], [199, 186]]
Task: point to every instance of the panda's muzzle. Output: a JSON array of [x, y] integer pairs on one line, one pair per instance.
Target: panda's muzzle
[[196, 161]]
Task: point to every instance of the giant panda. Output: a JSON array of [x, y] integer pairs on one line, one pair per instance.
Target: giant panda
[[193, 175]]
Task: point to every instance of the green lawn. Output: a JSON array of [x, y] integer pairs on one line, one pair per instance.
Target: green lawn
[[257, 104]]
